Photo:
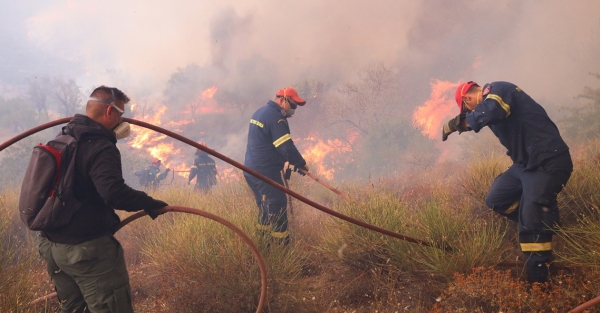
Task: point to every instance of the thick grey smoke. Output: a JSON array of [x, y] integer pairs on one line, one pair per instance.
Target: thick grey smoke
[[250, 49]]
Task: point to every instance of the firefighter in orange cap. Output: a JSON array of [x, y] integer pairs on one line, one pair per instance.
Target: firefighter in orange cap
[[269, 146], [526, 192], [204, 170], [150, 177]]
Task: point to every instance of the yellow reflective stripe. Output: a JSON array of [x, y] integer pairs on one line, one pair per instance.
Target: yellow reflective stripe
[[503, 104], [281, 140], [257, 123], [194, 166], [277, 234], [512, 207], [536, 247], [263, 227]]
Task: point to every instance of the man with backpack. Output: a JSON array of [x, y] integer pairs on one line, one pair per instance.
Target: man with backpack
[[85, 261], [150, 177]]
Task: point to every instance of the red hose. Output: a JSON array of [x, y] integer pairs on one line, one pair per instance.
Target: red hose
[[243, 168], [245, 238]]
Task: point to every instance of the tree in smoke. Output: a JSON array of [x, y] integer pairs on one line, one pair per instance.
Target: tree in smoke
[[67, 94], [364, 104], [39, 89], [584, 122], [18, 114], [251, 84], [184, 89], [375, 118]]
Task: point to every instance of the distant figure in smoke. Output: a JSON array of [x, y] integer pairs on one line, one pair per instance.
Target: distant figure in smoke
[[150, 177], [204, 170], [526, 192], [269, 146]]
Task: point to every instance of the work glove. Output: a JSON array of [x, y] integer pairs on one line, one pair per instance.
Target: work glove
[[168, 170], [453, 125], [299, 168], [152, 212]]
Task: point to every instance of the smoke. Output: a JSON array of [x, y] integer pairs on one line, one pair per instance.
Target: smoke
[[250, 49]]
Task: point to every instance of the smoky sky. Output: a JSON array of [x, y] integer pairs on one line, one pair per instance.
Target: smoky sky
[[547, 47]]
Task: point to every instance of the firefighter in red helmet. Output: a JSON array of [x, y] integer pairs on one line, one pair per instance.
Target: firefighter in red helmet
[[150, 177], [526, 192]]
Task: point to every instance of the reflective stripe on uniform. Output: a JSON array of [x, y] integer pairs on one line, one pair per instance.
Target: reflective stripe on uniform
[[257, 123], [281, 140], [503, 104], [280, 234], [536, 246], [263, 227], [512, 207]]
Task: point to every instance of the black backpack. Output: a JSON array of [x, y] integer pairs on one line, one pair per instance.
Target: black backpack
[[47, 199]]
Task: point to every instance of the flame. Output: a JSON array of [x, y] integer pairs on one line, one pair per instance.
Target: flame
[[321, 156], [209, 93], [228, 174], [143, 136], [440, 105]]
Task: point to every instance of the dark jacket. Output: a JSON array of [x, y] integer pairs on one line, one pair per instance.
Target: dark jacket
[[99, 185], [520, 123], [270, 144], [204, 169]]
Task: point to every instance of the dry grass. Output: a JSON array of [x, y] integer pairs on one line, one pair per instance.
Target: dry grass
[[183, 263], [19, 264]]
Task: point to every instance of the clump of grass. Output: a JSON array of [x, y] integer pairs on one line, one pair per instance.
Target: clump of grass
[[476, 179], [581, 242], [18, 266], [467, 242], [209, 266], [581, 192], [362, 248]]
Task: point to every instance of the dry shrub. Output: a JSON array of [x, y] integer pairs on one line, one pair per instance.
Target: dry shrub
[[490, 290], [468, 241], [361, 248], [580, 196], [19, 266], [205, 266], [478, 176]]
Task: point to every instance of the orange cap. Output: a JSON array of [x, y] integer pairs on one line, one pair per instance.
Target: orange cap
[[461, 91], [292, 93]]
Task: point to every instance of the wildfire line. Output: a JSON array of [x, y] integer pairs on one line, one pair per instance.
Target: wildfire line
[[244, 168]]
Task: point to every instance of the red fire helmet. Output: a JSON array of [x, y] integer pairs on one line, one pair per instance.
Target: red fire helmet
[[155, 160], [461, 91]]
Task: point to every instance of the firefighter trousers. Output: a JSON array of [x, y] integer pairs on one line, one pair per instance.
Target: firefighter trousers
[[272, 205], [528, 197]]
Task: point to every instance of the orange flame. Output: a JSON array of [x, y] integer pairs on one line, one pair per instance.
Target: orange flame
[[320, 154], [228, 174], [209, 93], [440, 105]]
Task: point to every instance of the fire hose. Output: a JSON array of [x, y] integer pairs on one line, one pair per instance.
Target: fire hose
[[236, 230], [256, 174], [243, 168]]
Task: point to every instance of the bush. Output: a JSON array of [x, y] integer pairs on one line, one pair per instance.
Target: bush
[[206, 264]]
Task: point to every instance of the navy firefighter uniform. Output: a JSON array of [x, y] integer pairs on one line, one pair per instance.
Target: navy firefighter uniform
[[204, 170], [527, 191], [269, 146]]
